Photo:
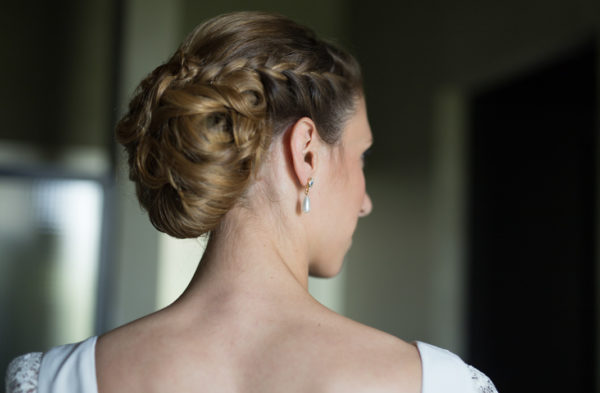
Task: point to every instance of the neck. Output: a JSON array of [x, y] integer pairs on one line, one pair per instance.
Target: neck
[[252, 254]]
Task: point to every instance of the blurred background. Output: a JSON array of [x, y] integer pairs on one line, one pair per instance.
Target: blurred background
[[483, 176]]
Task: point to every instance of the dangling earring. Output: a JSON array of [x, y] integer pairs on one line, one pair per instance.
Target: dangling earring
[[306, 201]]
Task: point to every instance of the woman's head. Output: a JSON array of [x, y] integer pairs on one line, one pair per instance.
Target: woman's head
[[200, 123]]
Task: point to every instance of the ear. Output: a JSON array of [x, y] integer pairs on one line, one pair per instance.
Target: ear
[[304, 143]]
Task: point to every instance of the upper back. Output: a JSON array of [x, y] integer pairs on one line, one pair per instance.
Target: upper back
[[316, 351], [285, 363]]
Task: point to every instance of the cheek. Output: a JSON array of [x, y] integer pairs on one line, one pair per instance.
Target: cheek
[[351, 195], [360, 184], [346, 188]]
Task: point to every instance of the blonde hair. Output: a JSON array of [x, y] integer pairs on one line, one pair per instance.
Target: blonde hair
[[199, 124]]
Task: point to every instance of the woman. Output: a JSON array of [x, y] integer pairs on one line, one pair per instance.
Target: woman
[[254, 132]]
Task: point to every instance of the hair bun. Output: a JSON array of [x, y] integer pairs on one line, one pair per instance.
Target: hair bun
[[193, 146]]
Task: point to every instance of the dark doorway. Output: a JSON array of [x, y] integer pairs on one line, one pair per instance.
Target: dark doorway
[[532, 227]]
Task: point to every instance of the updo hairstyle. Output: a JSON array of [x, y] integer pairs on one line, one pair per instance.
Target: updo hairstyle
[[199, 124]]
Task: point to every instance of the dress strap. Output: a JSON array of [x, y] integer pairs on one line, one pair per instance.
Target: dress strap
[[69, 368]]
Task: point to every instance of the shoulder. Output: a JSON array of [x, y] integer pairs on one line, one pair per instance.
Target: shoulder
[[22, 373], [363, 358], [443, 371]]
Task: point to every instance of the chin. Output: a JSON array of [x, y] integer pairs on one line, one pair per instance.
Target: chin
[[326, 270]]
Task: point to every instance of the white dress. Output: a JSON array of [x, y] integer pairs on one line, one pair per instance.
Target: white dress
[[72, 368], [444, 372]]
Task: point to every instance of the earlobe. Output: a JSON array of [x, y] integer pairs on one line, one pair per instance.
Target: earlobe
[[304, 142]]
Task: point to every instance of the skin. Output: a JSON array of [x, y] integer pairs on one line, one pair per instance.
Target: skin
[[247, 323]]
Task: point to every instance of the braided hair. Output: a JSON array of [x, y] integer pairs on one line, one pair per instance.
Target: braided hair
[[199, 124]]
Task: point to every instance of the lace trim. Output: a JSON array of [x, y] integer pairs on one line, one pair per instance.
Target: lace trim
[[481, 382], [22, 373]]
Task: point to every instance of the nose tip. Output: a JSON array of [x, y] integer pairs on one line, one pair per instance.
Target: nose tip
[[366, 207]]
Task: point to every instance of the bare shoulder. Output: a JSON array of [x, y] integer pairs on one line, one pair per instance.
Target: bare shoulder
[[366, 359], [127, 357]]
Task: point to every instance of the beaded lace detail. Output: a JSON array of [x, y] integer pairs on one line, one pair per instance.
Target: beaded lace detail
[[22, 373], [481, 382]]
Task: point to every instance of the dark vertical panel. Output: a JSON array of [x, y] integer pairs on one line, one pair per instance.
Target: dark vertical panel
[[35, 44], [532, 212]]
